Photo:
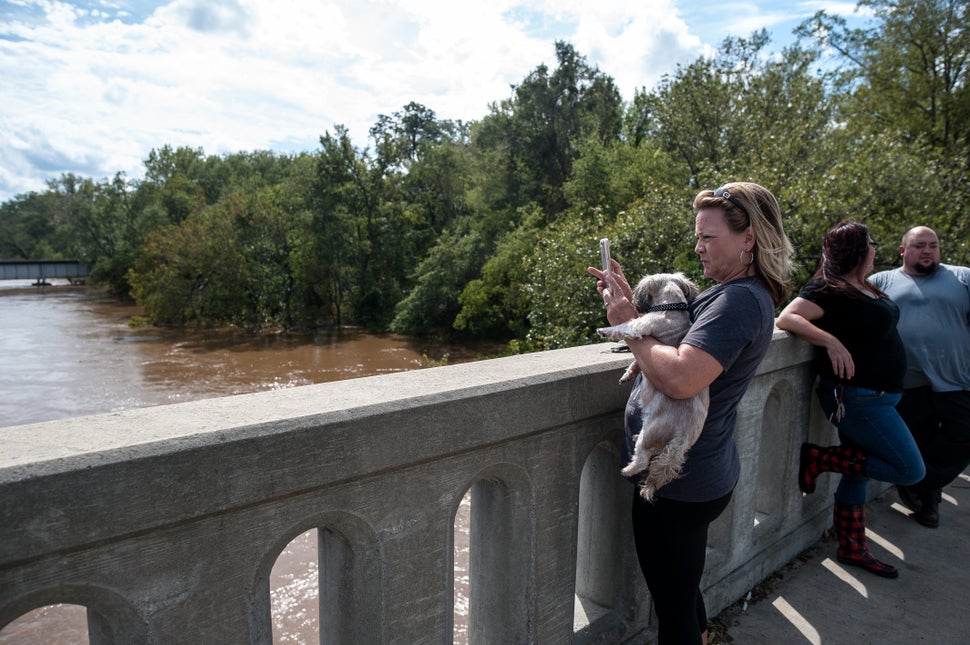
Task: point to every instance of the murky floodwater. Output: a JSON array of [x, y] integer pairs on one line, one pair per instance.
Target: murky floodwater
[[67, 352]]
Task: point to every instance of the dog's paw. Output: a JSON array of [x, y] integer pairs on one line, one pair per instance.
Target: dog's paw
[[607, 332], [634, 467], [630, 373], [619, 332], [646, 492]]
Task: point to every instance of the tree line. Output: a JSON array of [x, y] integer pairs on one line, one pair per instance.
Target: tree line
[[484, 229]]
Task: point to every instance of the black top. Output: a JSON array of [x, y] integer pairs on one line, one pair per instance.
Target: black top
[[867, 328]]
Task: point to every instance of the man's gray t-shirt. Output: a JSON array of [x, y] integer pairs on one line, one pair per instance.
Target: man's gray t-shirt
[[934, 323], [732, 322]]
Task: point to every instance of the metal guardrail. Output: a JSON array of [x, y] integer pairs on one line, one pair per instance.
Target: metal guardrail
[[42, 270]]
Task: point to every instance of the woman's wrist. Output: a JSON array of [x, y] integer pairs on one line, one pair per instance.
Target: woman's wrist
[[619, 312]]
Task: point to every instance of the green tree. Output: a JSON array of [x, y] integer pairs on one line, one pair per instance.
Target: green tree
[[241, 260], [28, 229], [430, 163], [172, 181], [535, 135], [737, 113], [497, 304], [365, 250], [909, 72], [611, 175], [265, 235], [400, 137], [513, 170], [431, 305], [194, 272], [906, 115], [100, 225]]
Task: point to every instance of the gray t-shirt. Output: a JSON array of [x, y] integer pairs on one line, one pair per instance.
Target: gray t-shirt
[[934, 323], [732, 322]]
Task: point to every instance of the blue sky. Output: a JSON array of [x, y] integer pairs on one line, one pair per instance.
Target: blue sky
[[91, 87]]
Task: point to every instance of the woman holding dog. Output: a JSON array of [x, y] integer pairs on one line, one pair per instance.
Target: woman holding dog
[[743, 247], [860, 382]]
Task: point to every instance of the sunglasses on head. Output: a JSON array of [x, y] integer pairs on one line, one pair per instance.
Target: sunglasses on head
[[723, 192]]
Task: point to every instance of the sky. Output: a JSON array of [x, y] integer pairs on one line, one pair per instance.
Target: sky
[[91, 87]]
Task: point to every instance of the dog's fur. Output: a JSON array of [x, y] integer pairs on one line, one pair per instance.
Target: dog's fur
[[670, 426]]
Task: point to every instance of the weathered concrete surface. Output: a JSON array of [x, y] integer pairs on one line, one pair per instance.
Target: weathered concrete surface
[[165, 522]]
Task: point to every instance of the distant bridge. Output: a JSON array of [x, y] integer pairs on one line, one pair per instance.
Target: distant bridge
[[41, 270]]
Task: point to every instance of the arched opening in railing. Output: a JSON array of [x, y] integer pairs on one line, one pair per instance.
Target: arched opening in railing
[[598, 539], [325, 585], [461, 581], [774, 440], [72, 613], [294, 591], [500, 556], [60, 623]]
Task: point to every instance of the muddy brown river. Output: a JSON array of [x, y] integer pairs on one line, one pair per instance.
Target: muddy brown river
[[67, 352]]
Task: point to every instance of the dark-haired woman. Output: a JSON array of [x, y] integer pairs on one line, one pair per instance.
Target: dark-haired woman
[[860, 381]]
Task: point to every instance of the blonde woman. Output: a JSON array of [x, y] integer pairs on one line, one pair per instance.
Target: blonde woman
[[742, 245]]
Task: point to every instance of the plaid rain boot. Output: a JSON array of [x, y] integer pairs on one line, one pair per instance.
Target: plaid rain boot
[[814, 460], [850, 527]]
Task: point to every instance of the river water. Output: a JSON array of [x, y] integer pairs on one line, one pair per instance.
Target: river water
[[69, 351]]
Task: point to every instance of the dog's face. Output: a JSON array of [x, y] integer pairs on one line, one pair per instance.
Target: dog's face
[[662, 289]]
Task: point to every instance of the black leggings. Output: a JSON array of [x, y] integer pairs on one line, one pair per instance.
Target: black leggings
[[671, 539]]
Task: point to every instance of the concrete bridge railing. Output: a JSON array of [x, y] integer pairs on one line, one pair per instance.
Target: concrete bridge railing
[[165, 522]]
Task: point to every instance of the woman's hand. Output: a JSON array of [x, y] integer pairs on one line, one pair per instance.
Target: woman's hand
[[797, 318], [616, 292], [842, 363], [679, 372]]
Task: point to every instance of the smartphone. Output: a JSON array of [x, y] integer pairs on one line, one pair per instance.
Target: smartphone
[[605, 254]]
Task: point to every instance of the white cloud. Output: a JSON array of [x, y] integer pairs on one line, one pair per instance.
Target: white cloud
[[91, 87], [635, 47]]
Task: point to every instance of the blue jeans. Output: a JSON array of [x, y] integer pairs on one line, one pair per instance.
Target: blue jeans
[[871, 424]]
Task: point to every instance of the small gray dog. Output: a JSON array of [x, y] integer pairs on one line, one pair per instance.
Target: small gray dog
[[670, 426]]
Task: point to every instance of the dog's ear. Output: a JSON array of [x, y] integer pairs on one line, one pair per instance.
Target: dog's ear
[[689, 288], [644, 293]]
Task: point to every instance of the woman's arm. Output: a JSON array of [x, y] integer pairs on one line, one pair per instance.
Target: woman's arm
[[679, 372], [796, 318]]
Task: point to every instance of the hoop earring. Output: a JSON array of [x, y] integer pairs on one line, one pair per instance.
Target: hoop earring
[[741, 257]]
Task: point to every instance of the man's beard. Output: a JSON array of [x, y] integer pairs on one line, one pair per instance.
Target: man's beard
[[926, 269]]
